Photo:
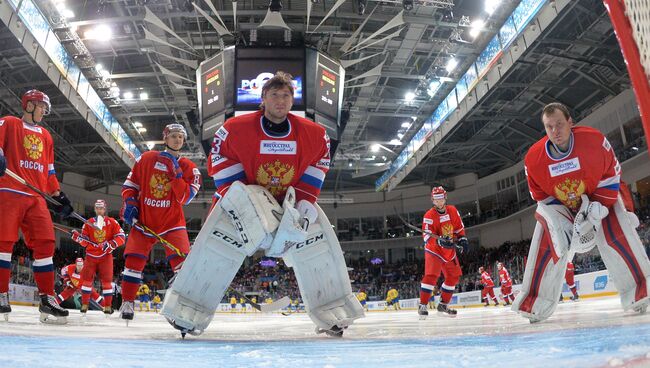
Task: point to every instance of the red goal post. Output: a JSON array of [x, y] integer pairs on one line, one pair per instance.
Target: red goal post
[[631, 21]]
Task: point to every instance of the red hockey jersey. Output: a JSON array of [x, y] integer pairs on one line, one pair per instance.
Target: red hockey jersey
[[486, 279], [448, 224], [243, 151], [589, 167], [504, 277], [29, 151], [69, 273], [110, 232], [160, 195]]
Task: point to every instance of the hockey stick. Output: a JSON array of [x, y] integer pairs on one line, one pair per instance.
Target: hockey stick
[[411, 226], [164, 241], [48, 198], [264, 308]]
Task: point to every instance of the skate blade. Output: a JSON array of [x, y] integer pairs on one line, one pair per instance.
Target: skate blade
[[51, 320], [447, 315]]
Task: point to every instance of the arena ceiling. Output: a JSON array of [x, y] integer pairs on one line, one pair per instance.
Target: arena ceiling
[[576, 61]]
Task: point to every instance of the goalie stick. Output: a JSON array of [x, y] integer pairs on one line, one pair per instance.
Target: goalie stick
[[264, 308], [48, 198]]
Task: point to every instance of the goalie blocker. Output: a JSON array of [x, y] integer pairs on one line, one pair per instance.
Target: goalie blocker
[[251, 213], [550, 249]]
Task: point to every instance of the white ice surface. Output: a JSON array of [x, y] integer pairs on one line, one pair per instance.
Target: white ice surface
[[589, 333]]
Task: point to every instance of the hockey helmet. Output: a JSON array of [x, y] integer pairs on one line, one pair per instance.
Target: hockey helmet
[[174, 127], [79, 260], [438, 193], [36, 95], [100, 203]]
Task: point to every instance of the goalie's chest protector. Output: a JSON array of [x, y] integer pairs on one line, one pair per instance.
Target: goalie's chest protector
[[277, 162]]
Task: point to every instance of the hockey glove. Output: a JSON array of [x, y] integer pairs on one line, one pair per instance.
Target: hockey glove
[[481, 286], [130, 211], [69, 284], [446, 242], [596, 212], [3, 163], [172, 164], [65, 209], [108, 246], [462, 245]]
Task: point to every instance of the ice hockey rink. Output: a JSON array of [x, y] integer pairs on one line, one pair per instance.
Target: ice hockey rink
[[589, 333]]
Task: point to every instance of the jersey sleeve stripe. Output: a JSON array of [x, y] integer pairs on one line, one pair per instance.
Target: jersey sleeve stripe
[[228, 172], [610, 182], [128, 183], [306, 192]]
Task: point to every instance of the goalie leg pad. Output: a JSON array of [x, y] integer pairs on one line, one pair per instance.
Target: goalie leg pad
[[208, 270], [558, 221], [543, 278], [251, 209], [625, 258], [322, 277]]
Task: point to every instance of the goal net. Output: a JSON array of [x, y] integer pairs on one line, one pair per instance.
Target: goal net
[[631, 21]]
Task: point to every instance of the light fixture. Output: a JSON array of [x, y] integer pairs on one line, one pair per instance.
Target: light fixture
[[349, 164], [400, 135], [383, 158], [142, 130], [275, 5], [104, 73], [144, 96], [451, 65], [128, 95], [101, 32], [114, 91], [395, 142], [67, 13], [406, 124], [374, 147], [99, 67], [476, 28], [491, 6], [409, 96], [137, 124]]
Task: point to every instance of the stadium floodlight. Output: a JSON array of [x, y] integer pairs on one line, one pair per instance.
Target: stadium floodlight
[[128, 95], [491, 6], [144, 96], [375, 147], [406, 124], [409, 96], [476, 28], [451, 65]]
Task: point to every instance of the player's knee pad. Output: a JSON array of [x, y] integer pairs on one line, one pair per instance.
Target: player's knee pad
[[251, 210], [543, 276], [208, 270], [42, 248], [135, 262], [625, 257], [323, 276]]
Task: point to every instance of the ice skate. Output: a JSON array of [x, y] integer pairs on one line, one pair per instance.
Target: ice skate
[[444, 309], [5, 308], [335, 331], [51, 312], [127, 312], [423, 312]]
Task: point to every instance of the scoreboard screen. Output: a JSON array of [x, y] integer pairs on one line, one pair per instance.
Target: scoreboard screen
[[212, 86], [328, 86]]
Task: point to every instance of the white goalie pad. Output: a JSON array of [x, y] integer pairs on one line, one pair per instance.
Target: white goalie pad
[[542, 285], [323, 277], [559, 221], [251, 209], [625, 258], [208, 270], [290, 232]]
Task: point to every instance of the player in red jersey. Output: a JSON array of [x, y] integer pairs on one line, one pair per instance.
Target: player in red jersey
[[574, 176], [506, 284], [154, 193], [27, 150], [487, 288], [569, 277], [442, 228], [100, 244], [71, 275], [266, 163]]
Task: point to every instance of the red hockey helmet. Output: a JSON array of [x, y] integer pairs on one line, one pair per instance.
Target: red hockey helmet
[[438, 193], [100, 203], [79, 260], [36, 95], [174, 127]]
